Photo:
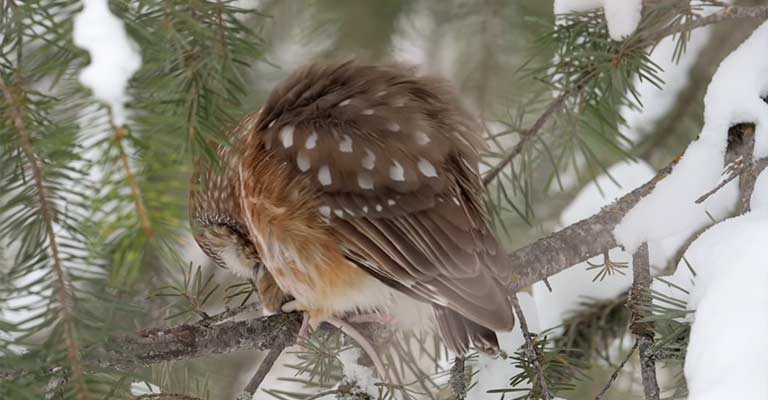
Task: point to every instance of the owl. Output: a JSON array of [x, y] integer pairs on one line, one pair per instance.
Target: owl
[[353, 185]]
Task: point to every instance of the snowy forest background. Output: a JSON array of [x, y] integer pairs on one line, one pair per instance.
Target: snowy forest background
[[104, 294]]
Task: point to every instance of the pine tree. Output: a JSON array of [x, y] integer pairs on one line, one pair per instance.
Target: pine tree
[[103, 295]]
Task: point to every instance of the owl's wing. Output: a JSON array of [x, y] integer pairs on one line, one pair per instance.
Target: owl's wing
[[394, 159]]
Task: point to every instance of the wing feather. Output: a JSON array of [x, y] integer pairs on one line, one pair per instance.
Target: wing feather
[[395, 159]]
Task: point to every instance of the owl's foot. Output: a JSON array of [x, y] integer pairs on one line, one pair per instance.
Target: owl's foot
[[308, 323], [312, 320], [363, 342]]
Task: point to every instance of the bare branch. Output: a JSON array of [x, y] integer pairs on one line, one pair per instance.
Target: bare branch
[[533, 352], [639, 303], [615, 373], [193, 341], [266, 365]]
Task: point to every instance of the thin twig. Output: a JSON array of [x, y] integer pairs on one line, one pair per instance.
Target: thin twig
[[616, 372], [63, 291], [643, 330], [266, 365], [526, 136], [141, 209], [230, 313], [726, 14], [534, 354]]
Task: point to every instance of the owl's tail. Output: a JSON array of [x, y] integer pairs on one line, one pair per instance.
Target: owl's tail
[[458, 332]]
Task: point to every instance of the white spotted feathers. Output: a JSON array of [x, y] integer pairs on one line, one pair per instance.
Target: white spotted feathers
[[370, 137]]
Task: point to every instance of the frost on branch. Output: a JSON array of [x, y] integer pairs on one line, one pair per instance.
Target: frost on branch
[[114, 57]]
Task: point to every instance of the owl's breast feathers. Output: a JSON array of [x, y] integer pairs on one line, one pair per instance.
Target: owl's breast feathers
[[354, 171]]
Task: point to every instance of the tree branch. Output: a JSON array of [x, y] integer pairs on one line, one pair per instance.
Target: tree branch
[[47, 214], [192, 341], [534, 354], [725, 14], [266, 365], [639, 303]]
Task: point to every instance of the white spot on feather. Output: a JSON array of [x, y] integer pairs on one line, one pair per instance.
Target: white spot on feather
[[286, 136], [365, 209], [379, 207], [303, 162], [344, 103], [368, 111], [390, 202], [456, 201], [345, 146], [369, 161], [365, 181], [393, 126], [382, 93], [325, 211], [422, 138], [324, 175], [311, 140], [271, 124], [339, 212], [396, 172], [427, 168]]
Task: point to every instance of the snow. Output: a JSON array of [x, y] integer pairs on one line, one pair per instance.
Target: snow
[[143, 388], [733, 96], [727, 343], [622, 16], [363, 377], [114, 57]]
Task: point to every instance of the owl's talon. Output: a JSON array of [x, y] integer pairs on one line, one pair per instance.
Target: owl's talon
[[291, 306]]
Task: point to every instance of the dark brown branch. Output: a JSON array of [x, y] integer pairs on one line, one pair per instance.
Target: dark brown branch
[[266, 365], [639, 303], [533, 353]]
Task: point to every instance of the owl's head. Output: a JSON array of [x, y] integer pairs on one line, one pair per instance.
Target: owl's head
[[214, 213]]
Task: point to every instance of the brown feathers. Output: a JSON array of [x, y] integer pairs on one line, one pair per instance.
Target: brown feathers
[[381, 166]]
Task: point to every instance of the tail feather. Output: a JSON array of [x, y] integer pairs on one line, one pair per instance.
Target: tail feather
[[459, 333]]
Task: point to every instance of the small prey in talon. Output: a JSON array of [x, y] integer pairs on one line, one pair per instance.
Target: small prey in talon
[[355, 190]]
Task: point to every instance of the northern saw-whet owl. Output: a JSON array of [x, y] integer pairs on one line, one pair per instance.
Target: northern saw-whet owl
[[356, 184]]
